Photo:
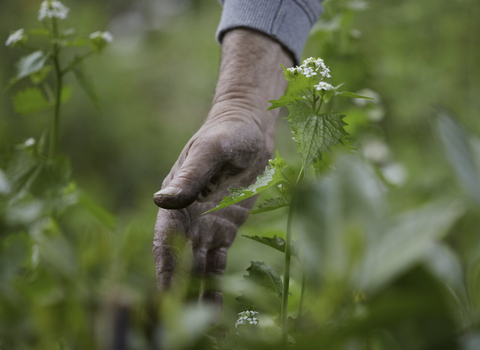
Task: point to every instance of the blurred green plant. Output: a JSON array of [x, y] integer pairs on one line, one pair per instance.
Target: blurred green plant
[[42, 61]]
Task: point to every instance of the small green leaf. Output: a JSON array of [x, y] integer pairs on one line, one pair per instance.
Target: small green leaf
[[270, 204], [41, 75], [77, 42], [31, 64], [298, 87], [66, 93], [29, 101], [265, 276], [352, 95], [272, 176], [264, 280], [85, 83], [314, 133], [276, 243]]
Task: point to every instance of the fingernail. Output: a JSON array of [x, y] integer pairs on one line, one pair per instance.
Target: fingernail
[[168, 191]]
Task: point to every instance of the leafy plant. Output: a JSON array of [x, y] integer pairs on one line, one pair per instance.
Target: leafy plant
[[315, 134], [47, 59]]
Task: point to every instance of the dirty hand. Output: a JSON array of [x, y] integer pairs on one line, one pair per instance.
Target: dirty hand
[[230, 150]]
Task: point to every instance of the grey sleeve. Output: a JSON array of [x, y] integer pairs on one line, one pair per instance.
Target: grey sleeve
[[287, 21]]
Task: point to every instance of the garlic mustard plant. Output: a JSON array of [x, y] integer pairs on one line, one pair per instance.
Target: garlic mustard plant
[[48, 91], [315, 133]]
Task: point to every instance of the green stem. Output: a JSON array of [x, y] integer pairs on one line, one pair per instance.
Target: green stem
[[286, 274], [320, 105], [77, 61], [58, 91]]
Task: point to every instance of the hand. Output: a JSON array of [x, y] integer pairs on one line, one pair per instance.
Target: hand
[[230, 150]]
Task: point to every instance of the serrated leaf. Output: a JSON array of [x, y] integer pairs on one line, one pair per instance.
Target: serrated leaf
[[265, 279], [276, 243], [86, 85], [31, 64], [299, 86], [272, 176], [352, 95], [29, 101], [314, 133], [270, 204], [265, 276]]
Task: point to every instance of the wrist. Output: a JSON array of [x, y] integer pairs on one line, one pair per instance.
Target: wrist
[[250, 75]]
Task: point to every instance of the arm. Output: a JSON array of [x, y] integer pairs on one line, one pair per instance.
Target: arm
[[231, 149]]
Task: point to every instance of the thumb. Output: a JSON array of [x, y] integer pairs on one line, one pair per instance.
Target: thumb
[[189, 180]]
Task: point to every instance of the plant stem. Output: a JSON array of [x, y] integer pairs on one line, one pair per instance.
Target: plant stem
[[77, 61], [58, 91], [286, 273]]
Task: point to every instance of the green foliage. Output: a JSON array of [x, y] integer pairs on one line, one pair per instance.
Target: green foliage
[[272, 176], [270, 204], [276, 243], [30, 64], [30, 100], [85, 83], [314, 133], [263, 282], [456, 146]]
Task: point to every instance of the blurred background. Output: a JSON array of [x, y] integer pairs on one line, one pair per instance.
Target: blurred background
[[155, 84]]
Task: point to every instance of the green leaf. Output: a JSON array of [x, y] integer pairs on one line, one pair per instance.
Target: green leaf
[[276, 243], [85, 83], [298, 87], [41, 75], [29, 101], [66, 93], [458, 151], [31, 64], [314, 133], [77, 42], [105, 218], [265, 276], [352, 95], [272, 176], [270, 204], [264, 281]]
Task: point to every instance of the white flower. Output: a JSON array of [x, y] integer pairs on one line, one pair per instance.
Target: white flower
[[323, 86], [105, 36], [246, 317], [15, 37], [311, 67], [52, 9], [30, 142]]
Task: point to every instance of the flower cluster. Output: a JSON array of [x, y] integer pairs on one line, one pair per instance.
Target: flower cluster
[[323, 86], [247, 317], [105, 36], [15, 37], [52, 9], [311, 67]]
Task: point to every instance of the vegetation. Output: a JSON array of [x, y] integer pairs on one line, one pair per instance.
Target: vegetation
[[381, 206]]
